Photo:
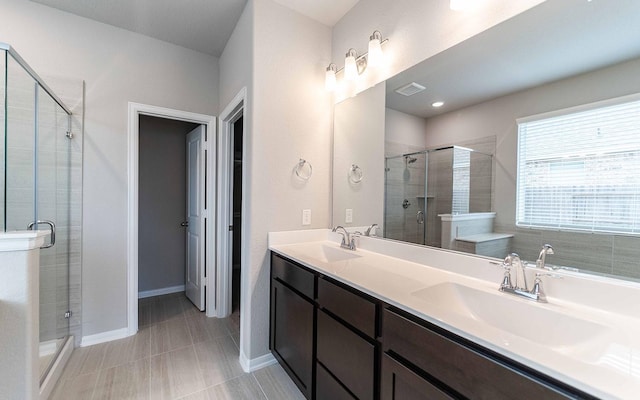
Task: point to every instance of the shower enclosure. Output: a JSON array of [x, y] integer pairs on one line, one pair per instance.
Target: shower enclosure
[[423, 185], [39, 161]]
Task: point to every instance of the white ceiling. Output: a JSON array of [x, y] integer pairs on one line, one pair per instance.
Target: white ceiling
[[552, 41], [201, 25], [326, 11]]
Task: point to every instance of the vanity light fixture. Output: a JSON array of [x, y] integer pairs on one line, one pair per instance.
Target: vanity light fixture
[[355, 64], [350, 67], [437, 104], [330, 77], [375, 50]]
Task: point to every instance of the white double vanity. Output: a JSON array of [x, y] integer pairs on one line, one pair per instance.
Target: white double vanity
[[585, 341]]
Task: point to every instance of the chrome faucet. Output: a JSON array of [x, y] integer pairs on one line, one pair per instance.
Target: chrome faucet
[[371, 230], [348, 242], [546, 249], [513, 260]]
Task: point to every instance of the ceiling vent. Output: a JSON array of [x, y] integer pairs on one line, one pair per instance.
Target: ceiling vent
[[410, 89]]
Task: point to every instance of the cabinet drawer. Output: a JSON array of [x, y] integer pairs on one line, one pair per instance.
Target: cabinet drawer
[[349, 357], [327, 388], [293, 275], [400, 383], [352, 308], [466, 371]]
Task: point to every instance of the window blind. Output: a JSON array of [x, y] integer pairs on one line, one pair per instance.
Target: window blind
[[581, 170]]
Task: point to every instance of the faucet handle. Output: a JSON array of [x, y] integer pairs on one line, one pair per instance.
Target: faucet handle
[[537, 289], [506, 280]]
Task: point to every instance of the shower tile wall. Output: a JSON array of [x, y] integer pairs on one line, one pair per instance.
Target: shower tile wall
[[400, 224], [20, 143], [482, 184], [440, 193]]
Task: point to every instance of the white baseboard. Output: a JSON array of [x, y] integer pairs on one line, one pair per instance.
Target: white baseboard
[[254, 364], [103, 337], [160, 292]]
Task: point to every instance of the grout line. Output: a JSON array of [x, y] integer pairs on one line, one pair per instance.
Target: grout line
[[260, 386]]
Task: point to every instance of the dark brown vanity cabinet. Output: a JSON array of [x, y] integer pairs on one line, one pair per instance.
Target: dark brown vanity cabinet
[[292, 321], [338, 343]]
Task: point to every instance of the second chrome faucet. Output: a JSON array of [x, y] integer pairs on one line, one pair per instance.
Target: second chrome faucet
[[520, 286]]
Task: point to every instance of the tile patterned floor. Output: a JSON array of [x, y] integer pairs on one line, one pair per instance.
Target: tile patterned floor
[[178, 353]]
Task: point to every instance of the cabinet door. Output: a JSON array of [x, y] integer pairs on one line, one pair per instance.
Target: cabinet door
[[292, 335], [400, 383]]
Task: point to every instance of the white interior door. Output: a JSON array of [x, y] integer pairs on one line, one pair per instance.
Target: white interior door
[[194, 280]]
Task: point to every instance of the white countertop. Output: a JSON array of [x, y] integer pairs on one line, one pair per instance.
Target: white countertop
[[22, 240], [604, 363]]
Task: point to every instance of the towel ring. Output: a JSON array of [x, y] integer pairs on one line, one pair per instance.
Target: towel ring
[[355, 173], [303, 169]]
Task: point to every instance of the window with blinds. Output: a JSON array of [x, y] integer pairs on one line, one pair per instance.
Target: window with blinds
[[580, 169]]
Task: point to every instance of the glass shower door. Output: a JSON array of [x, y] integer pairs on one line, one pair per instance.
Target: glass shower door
[[53, 205], [405, 198]]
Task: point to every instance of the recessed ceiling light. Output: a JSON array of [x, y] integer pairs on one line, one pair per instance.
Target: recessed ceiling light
[[437, 104], [410, 89]]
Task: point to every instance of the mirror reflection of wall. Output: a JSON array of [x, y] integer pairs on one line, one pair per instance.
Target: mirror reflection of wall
[[359, 140], [492, 84], [597, 252]]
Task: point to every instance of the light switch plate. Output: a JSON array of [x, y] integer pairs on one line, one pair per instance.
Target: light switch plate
[[306, 217], [348, 216]]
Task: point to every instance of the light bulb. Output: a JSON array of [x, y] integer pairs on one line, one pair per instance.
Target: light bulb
[[330, 78], [375, 50], [350, 67]]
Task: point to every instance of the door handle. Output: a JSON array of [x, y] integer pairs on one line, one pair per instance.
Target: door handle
[[185, 223], [52, 227]]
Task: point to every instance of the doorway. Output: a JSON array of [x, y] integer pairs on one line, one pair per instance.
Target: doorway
[[236, 217], [162, 210], [207, 160]]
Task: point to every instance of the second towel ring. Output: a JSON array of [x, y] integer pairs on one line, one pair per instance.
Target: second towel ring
[[355, 173], [304, 169]]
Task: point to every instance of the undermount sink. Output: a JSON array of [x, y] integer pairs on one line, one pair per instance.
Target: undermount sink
[[328, 254], [528, 320]]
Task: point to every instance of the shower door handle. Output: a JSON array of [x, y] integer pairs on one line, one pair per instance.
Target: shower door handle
[[420, 217], [184, 224], [52, 227]]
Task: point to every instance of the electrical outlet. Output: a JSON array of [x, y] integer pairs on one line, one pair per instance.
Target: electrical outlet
[[348, 216], [306, 217]]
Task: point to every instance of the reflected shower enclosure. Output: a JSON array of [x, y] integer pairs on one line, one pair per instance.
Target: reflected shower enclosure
[[36, 154], [421, 186]]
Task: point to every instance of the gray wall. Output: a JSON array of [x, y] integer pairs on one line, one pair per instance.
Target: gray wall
[[600, 253], [162, 199]]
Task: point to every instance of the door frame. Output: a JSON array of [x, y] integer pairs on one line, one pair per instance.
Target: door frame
[[133, 146], [230, 114]]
